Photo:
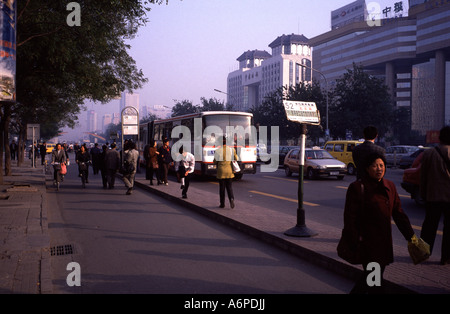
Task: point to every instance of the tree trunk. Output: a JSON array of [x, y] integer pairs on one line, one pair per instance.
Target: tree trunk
[[5, 129]]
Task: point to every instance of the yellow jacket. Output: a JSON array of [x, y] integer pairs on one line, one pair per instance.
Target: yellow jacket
[[222, 159]]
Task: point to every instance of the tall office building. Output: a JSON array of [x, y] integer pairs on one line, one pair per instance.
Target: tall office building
[[116, 118], [106, 120], [411, 53], [91, 121], [129, 100], [261, 73]]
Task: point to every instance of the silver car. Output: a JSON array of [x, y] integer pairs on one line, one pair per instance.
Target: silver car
[[395, 153], [318, 163]]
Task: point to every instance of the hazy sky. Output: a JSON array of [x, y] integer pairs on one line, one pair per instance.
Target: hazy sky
[[189, 46]]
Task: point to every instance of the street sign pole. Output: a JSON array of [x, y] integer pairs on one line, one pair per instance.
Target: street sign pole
[[300, 229], [303, 113]]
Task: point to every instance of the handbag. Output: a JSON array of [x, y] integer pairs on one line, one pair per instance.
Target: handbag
[[63, 169], [347, 249], [155, 165], [418, 249], [235, 166]]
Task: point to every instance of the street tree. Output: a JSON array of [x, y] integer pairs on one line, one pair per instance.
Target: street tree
[[59, 66], [359, 100], [184, 107], [211, 104]]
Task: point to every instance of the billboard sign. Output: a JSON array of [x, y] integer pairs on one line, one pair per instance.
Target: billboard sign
[[8, 50]]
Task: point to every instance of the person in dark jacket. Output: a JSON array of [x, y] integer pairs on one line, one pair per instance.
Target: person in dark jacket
[[362, 151], [164, 161], [102, 166], [370, 203], [435, 189], [151, 162], [83, 159]]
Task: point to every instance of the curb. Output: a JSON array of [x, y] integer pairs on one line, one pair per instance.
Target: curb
[[339, 267]]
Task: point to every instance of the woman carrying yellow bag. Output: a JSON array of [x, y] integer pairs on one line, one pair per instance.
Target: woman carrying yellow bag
[[368, 224]]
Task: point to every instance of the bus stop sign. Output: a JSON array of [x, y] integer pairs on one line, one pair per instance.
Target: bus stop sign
[[302, 112]]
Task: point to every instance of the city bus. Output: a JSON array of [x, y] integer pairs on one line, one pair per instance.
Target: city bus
[[205, 130]]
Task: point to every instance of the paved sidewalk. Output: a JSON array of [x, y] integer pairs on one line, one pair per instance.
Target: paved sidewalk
[[24, 238], [269, 225]]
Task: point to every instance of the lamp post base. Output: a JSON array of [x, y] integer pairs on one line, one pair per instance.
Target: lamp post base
[[300, 231]]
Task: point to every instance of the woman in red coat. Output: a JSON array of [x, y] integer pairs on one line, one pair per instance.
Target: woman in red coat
[[369, 225]]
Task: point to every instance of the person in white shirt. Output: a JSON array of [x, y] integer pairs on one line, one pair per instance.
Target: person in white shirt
[[184, 166]]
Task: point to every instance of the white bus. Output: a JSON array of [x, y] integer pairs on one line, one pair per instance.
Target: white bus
[[234, 125]]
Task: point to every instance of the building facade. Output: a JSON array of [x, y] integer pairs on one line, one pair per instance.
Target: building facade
[[411, 53], [261, 73]]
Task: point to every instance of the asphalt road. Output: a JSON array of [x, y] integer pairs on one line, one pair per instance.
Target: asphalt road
[[144, 244]]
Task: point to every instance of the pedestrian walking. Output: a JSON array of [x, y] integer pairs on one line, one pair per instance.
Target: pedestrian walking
[[164, 162], [370, 203], [184, 166], [131, 156], [362, 151], [112, 163], [102, 166], [13, 149], [83, 159], [95, 157], [435, 190], [58, 158], [43, 152], [151, 162], [223, 158]]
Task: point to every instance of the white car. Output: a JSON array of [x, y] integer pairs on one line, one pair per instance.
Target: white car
[[318, 163], [395, 153]]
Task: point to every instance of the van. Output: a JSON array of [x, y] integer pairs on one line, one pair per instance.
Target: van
[[343, 150]]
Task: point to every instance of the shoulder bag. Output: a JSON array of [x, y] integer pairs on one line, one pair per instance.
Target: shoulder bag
[[346, 248]]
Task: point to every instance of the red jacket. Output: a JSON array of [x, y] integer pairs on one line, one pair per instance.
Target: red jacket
[[372, 227]]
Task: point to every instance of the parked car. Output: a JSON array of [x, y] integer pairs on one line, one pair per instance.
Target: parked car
[[395, 153], [407, 161], [411, 180], [318, 163], [343, 150]]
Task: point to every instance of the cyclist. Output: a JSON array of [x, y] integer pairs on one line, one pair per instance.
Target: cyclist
[[83, 159], [58, 158]]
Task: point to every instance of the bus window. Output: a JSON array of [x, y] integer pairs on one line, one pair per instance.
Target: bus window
[[156, 136]]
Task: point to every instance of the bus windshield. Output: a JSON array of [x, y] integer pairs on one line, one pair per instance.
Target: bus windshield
[[224, 121]]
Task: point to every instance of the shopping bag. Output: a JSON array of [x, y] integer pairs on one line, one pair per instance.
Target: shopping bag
[[418, 249], [63, 169], [235, 166], [348, 251]]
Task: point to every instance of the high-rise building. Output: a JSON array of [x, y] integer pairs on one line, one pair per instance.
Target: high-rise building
[[92, 121], [106, 120], [116, 118], [411, 53], [129, 100], [261, 73]]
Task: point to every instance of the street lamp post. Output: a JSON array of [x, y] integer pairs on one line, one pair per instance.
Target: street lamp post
[[327, 130], [234, 98]]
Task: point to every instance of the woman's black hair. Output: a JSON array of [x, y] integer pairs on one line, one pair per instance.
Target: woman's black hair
[[374, 156]]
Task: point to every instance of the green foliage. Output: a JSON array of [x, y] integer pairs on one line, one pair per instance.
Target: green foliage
[[359, 100], [59, 67]]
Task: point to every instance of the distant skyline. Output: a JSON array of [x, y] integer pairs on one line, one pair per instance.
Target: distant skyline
[[188, 47]]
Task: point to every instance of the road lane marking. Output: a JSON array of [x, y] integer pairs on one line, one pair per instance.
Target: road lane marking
[[283, 198], [284, 179]]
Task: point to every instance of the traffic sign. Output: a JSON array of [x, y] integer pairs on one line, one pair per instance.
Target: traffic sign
[[302, 112]]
